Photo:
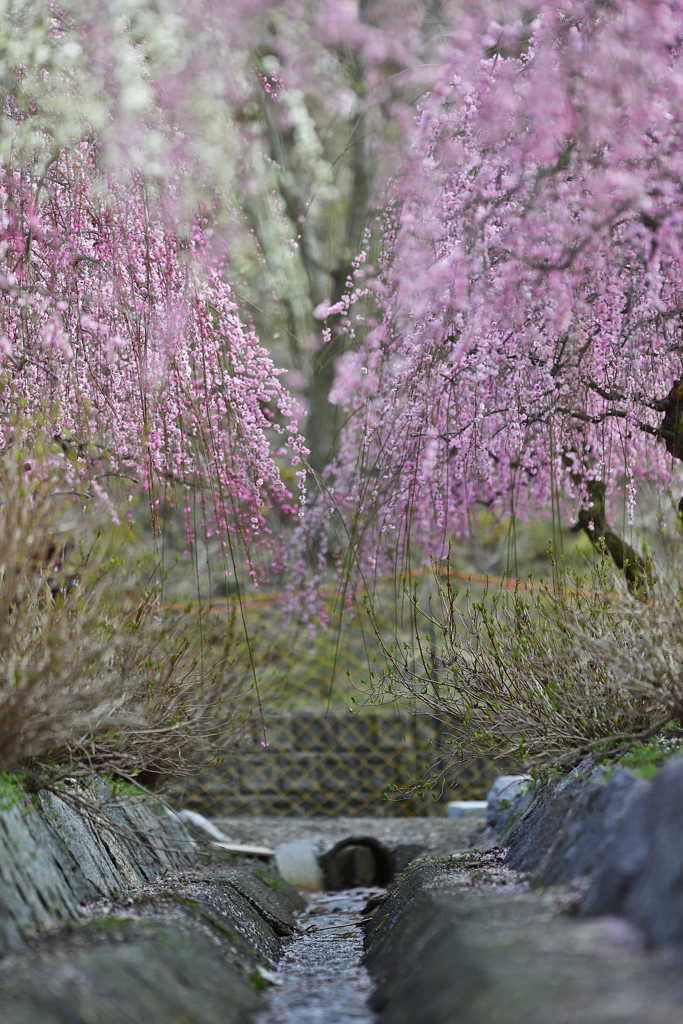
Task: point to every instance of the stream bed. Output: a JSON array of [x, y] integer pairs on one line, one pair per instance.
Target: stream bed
[[321, 979]]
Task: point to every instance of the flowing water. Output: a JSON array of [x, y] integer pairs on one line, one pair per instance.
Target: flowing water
[[321, 978]]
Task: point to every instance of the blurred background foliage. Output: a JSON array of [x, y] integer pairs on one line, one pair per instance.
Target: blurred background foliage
[[299, 665]]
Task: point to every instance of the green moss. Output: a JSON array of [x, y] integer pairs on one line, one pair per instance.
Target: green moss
[[258, 983], [111, 925], [645, 759], [266, 876], [216, 856], [384, 919], [12, 791]]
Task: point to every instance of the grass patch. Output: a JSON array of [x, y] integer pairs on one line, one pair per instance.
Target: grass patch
[[121, 787]]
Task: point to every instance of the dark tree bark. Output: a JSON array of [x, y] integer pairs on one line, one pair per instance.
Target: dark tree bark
[[672, 425], [593, 523]]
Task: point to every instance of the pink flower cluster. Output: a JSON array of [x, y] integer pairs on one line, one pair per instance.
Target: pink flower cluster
[[529, 290], [123, 348]]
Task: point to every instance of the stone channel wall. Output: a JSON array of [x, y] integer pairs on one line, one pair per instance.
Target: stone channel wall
[[618, 838], [106, 915], [575, 915], [57, 856]]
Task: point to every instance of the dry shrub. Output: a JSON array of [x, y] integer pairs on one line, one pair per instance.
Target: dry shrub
[[543, 673], [94, 676]]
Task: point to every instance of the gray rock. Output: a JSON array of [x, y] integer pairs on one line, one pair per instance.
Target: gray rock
[[620, 833], [270, 895], [505, 791], [640, 871], [154, 842], [218, 902], [432, 976], [593, 818], [41, 882], [119, 843], [535, 830], [193, 950], [386, 941], [56, 855], [96, 848]]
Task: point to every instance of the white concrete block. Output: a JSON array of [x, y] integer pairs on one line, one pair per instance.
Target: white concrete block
[[466, 809], [298, 864]]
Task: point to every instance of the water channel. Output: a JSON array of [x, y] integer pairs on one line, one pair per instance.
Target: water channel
[[321, 979]]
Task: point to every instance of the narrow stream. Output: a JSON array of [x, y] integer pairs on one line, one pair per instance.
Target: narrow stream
[[322, 979]]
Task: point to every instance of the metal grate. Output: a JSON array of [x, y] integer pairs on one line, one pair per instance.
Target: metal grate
[[337, 764]]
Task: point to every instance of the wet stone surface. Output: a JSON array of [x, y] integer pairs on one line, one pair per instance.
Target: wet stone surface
[[467, 941], [321, 977]]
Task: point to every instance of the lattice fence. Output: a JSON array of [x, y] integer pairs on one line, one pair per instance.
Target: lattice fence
[[335, 764]]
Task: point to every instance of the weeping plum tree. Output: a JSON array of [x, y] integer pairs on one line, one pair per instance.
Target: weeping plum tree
[[511, 339], [122, 351], [524, 350], [125, 366], [143, 147]]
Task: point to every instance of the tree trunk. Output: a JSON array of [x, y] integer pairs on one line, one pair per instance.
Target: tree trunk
[[626, 558]]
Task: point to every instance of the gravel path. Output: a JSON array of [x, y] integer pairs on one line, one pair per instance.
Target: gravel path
[[440, 836]]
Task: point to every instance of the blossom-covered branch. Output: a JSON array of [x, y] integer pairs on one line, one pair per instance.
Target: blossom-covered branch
[[527, 327], [121, 342]]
